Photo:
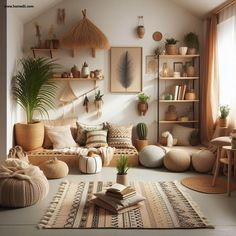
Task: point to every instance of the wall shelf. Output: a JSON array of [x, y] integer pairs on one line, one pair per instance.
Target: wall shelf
[[46, 50], [176, 101], [178, 78], [178, 56], [76, 79], [177, 121]]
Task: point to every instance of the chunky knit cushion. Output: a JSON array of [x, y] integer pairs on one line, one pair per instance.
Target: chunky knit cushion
[[120, 136], [96, 139], [83, 128], [22, 185]]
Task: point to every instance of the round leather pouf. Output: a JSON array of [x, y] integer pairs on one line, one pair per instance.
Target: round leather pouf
[[177, 160], [54, 169], [90, 164], [151, 156], [203, 161], [21, 184]]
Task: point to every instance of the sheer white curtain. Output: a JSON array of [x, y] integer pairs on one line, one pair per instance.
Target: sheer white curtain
[[226, 45]]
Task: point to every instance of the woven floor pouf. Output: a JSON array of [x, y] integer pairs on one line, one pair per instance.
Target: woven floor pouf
[[21, 184], [90, 164], [54, 169]]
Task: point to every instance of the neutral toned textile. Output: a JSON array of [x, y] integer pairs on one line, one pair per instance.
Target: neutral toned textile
[[120, 136], [203, 161], [54, 169], [96, 138], [107, 154], [166, 206], [90, 164], [182, 134], [210, 87], [221, 141], [62, 138], [57, 124], [83, 128], [21, 184], [177, 160], [203, 184], [151, 156]]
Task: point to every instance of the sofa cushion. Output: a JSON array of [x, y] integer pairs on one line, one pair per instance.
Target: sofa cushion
[[83, 128], [182, 134], [120, 136], [96, 139], [221, 141]]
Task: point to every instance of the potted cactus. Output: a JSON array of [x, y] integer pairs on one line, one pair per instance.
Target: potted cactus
[[224, 112], [122, 169], [142, 130], [170, 46], [142, 104]]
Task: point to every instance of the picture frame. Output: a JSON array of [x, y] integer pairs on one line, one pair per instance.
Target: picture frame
[[126, 75], [151, 64], [178, 67]]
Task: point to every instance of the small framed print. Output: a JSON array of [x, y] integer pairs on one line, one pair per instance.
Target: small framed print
[[178, 67], [151, 64]]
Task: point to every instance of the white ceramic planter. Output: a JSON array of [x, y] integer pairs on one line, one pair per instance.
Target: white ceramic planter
[[183, 50]]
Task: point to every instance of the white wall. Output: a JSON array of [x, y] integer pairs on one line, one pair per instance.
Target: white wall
[[118, 20], [14, 53]]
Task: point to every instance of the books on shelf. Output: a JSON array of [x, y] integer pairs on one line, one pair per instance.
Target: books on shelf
[[179, 92]]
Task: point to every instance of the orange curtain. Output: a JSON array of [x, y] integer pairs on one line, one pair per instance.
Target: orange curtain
[[210, 91]]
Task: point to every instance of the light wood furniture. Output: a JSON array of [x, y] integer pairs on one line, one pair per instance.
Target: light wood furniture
[[230, 160]]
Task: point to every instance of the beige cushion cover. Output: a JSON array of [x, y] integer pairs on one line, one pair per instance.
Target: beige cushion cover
[[221, 141], [62, 138], [120, 136], [177, 160], [182, 134], [96, 139]]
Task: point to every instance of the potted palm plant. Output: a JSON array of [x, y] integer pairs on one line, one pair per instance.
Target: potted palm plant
[[142, 130], [122, 169], [170, 46], [192, 42], [224, 112], [142, 104], [33, 91]]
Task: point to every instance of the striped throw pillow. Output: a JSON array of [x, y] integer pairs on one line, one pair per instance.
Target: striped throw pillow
[[96, 139], [120, 136]]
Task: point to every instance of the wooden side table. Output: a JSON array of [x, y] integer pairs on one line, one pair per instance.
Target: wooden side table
[[230, 161]]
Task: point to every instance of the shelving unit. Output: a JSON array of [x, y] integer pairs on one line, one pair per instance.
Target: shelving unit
[[164, 83]]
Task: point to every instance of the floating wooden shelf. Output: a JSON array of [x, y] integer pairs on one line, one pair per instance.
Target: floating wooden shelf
[[177, 121], [178, 78], [176, 101], [49, 50], [178, 56]]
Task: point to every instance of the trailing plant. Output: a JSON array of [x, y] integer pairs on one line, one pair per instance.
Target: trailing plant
[[171, 41], [191, 40], [32, 87], [98, 96], [122, 165], [143, 97], [224, 111], [142, 131]]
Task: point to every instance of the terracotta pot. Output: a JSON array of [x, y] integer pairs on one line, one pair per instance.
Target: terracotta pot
[[192, 51], [223, 122], [171, 49], [140, 144], [142, 108], [55, 43], [140, 31], [122, 179], [190, 71], [29, 136]]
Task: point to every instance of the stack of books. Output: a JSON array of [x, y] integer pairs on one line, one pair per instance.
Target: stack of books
[[179, 92], [118, 199]]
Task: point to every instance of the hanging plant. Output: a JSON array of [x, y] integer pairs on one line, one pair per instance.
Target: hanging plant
[[98, 102]]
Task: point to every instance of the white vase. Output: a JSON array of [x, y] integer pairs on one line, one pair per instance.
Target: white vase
[[183, 50]]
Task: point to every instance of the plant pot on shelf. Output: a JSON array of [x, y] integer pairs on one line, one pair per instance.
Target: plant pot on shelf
[[183, 50], [142, 108], [192, 51], [122, 179], [190, 71], [223, 122], [140, 144], [171, 49], [29, 136]]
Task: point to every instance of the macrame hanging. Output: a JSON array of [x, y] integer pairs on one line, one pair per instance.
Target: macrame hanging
[[85, 35], [68, 96]]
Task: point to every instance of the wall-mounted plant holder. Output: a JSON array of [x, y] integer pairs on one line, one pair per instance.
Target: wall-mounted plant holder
[[140, 28]]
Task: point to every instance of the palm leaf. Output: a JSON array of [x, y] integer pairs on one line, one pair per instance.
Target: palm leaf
[[126, 70]]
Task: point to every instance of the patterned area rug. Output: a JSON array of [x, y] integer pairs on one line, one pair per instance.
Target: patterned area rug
[[166, 207]]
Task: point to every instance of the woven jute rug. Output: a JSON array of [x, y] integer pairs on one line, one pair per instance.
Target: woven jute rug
[[166, 207], [203, 184]]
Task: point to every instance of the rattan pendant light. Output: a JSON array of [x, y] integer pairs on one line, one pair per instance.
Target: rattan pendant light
[[85, 35]]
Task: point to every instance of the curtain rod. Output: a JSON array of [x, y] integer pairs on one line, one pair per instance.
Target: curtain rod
[[222, 7]]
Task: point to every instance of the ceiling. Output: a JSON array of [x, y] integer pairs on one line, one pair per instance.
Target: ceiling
[[198, 8]]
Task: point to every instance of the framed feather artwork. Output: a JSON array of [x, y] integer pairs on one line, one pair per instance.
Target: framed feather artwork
[[126, 69]]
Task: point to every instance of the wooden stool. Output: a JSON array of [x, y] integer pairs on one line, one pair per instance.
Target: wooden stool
[[230, 161]]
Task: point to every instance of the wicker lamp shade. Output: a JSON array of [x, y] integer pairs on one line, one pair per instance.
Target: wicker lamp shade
[[85, 35]]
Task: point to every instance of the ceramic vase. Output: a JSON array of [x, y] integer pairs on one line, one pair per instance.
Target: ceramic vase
[[183, 50]]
